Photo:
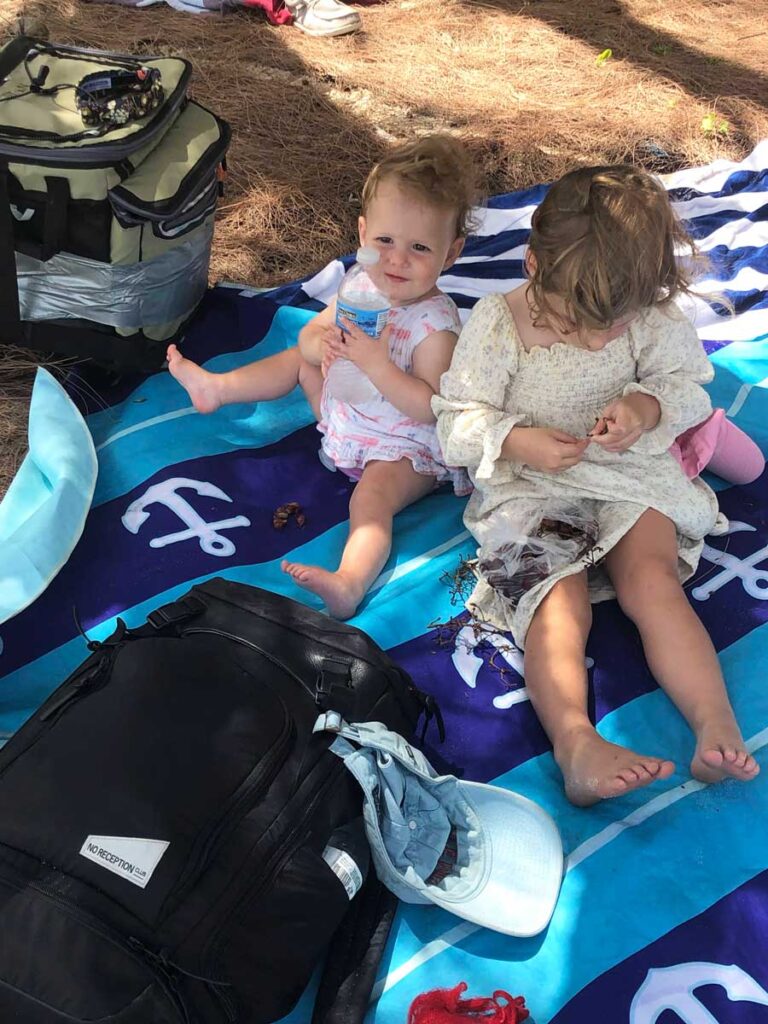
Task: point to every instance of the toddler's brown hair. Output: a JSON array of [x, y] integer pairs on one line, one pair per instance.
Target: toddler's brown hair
[[437, 169], [607, 242]]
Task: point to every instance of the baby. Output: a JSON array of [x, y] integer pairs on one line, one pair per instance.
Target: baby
[[416, 207]]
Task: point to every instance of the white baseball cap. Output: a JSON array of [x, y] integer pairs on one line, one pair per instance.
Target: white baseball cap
[[486, 854]]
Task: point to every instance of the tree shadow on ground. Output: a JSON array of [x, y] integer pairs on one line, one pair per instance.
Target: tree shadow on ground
[[610, 23]]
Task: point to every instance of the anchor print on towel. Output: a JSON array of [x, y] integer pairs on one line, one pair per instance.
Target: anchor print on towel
[[673, 988], [468, 664], [165, 493], [754, 581]]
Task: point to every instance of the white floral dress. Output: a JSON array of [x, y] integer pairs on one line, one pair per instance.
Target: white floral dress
[[356, 434], [494, 384]]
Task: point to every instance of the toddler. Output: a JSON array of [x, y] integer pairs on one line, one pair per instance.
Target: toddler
[[416, 208], [563, 400]]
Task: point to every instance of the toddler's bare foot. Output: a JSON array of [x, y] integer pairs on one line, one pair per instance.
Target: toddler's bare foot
[[202, 386], [720, 753], [341, 595], [594, 769]]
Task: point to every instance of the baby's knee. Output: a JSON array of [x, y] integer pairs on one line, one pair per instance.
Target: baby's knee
[[369, 497], [566, 605], [647, 586]]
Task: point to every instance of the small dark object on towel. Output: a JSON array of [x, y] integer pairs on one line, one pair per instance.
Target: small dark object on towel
[[283, 513]]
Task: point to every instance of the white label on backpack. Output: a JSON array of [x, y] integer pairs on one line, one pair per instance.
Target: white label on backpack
[[345, 869], [132, 859]]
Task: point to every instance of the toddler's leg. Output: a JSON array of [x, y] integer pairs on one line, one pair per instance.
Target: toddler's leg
[[383, 490], [736, 457], [311, 381], [719, 445], [556, 679], [643, 567], [257, 382]]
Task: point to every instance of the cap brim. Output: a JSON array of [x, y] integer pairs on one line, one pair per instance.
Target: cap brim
[[526, 864]]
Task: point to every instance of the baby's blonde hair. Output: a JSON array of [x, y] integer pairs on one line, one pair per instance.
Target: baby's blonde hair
[[606, 242], [437, 169]]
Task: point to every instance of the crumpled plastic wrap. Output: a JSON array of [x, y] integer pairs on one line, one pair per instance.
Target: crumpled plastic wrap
[[525, 541]]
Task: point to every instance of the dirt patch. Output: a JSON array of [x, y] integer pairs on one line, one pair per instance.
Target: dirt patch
[[520, 81]]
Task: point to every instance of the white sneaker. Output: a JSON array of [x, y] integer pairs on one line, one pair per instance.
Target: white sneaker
[[323, 17]]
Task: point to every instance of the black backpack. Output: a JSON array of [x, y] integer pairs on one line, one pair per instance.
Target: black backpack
[[176, 846]]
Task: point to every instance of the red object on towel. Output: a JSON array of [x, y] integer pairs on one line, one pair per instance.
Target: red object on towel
[[445, 1006], [275, 10], [278, 13]]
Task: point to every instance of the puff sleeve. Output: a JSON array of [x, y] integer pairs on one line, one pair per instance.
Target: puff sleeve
[[472, 422], [671, 367]]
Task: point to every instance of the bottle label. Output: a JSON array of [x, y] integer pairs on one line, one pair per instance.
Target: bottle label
[[372, 321]]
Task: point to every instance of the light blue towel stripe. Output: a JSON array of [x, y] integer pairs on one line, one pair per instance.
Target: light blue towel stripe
[[129, 454]]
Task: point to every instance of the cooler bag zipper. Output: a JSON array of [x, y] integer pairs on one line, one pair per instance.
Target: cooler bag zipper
[[192, 203], [100, 154]]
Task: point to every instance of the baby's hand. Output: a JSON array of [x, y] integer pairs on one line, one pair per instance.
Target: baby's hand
[[544, 448], [331, 336], [624, 421], [368, 354]]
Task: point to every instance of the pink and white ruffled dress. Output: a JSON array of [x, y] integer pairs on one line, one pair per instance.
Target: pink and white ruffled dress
[[354, 435]]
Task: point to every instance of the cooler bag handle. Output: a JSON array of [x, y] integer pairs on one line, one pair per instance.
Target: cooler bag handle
[[41, 335], [56, 212], [10, 318], [13, 329]]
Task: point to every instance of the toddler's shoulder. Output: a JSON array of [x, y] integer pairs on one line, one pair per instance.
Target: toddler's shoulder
[[665, 317], [439, 313], [665, 324], [491, 314], [489, 337]]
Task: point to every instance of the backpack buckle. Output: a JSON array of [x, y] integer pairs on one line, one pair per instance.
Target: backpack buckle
[[176, 612], [333, 673]]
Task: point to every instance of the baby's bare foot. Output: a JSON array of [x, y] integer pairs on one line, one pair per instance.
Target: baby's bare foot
[[341, 595], [202, 386], [720, 753], [594, 769]]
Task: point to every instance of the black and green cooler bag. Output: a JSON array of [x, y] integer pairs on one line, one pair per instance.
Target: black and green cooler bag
[[105, 227]]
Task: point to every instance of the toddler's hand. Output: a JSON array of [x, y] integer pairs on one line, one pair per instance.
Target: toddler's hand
[[544, 448], [368, 354], [622, 422], [331, 337]]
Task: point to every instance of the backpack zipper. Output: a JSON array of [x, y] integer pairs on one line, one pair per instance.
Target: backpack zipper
[[171, 970], [87, 681], [246, 794], [280, 857], [126, 945], [84, 683], [255, 647]]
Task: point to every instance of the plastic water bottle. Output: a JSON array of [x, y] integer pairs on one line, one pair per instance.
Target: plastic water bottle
[[359, 302]]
